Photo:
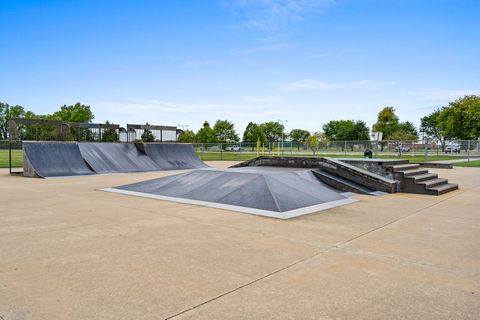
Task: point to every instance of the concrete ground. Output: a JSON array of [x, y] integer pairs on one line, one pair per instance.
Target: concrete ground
[[68, 251]]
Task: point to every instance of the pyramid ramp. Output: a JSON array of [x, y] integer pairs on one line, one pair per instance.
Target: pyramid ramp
[[278, 194]]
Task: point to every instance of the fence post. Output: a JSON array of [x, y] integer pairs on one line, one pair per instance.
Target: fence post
[[468, 153], [425, 149], [10, 156], [345, 150]]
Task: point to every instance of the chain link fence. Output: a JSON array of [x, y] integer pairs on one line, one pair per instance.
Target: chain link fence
[[454, 150], [463, 152]]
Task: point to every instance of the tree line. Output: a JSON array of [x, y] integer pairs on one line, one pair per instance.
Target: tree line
[[458, 120], [77, 112]]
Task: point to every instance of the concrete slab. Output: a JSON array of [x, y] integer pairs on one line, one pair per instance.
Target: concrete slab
[[68, 251]]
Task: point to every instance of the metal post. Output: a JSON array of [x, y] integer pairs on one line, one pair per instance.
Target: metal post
[[10, 156], [283, 129], [468, 153], [425, 147]]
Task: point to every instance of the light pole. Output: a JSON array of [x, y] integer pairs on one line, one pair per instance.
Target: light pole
[[282, 121]]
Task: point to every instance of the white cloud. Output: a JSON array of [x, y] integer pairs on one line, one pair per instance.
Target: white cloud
[[272, 113], [437, 95], [148, 107], [274, 15], [261, 49], [261, 100], [307, 84], [434, 96], [320, 55], [311, 84], [205, 63]]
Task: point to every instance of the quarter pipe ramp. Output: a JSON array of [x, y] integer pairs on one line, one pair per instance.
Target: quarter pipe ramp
[[50, 159], [116, 157], [174, 156]]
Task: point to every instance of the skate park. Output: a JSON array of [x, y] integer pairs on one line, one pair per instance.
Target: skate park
[[84, 240], [198, 259], [240, 159], [279, 187]]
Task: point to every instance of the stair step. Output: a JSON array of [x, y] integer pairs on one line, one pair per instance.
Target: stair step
[[390, 163], [414, 172], [444, 188], [403, 167], [423, 177], [433, 182]]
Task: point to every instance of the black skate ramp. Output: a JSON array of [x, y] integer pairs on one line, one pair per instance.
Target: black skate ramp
[[116, 157], [275, 193], [50, 159], [173, 156]]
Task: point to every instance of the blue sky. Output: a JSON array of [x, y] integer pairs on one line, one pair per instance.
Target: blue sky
[[183, 62]]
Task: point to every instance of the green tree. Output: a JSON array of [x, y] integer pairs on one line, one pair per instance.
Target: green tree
[[109, 135], [461, 118], [298, 136], [253, 133], [392, 128], [206, 134], [188, 136], [315, 140], [402, 135], [406, 129], [75, 113], [433, 128], [6, 113], [342, 130], [273, 130], [225, 131], [387, 122], [147, 135]]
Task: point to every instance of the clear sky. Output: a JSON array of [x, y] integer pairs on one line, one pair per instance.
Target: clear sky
[[183, 62]]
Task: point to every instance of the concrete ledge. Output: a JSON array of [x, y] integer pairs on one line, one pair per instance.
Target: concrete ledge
[[435, 165], [360, 176], [335, 166], [291, 162]]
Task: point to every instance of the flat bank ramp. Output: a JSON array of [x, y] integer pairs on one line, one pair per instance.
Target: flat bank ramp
[[116, 157], [50, 159], [174, 156]]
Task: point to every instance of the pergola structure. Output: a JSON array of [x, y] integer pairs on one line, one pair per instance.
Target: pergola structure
[[63, 130], [161, 133]]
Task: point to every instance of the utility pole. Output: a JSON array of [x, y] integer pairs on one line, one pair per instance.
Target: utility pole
[[282, 121]]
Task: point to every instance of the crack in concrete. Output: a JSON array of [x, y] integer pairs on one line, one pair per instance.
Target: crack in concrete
[[337, 246]]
